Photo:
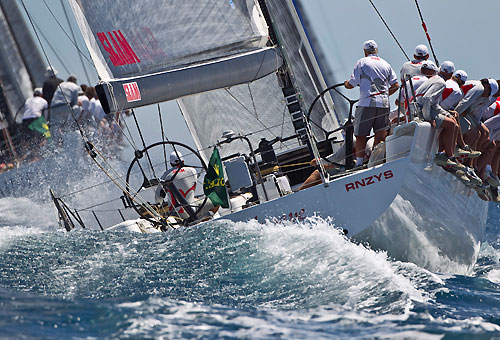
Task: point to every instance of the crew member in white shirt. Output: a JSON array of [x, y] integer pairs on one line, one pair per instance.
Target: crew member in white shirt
[[452, 94], [184, 178], [64, 104], [412, 68], [478, 94], [428, 96], [377, 81], [83, 102], [427, 70], [34, 108]]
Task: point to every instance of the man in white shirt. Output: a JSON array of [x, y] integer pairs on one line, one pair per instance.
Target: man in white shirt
[[34, 108], [64, 104], [377, 81], [83, 102], [478, 94], [184, 179], [427, 70], [428, 96], [412, 68]]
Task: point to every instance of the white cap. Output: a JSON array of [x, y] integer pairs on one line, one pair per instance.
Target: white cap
[[176, 158], [494, 87], [421, 51], [429, 64], [37, 91], [447, 67], [49, 71], [461, 74], [369, 45]]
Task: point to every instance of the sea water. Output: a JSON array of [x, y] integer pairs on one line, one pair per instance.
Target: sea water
[[226, 280]]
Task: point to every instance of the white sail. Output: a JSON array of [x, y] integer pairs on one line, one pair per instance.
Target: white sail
[[143, 51]]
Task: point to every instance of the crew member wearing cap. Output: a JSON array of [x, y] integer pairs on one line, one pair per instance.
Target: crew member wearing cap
[[34, 108], [427, 70], [428, 96], [377, 81], [184, 178], [412, 68], [64, 104], [493, 125], [492, 110], [50, 84], [452, 94], [478, 94]]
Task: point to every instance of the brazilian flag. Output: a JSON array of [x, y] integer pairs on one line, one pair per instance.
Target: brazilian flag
[[40, 125], [214, 185]]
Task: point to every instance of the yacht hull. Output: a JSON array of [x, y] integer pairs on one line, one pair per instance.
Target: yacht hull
[[422, 214]]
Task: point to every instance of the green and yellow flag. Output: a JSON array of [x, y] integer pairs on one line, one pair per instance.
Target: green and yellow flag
[[214, 185], [40, 125]]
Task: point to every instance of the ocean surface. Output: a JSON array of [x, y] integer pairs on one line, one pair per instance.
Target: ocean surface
[[226, 280]]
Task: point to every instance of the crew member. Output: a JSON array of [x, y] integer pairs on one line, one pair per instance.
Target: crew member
[[65, 103], [428, 96], [412, 68], [427, 70], [377, 81], [184, 179], [34, 108], [50, 84]]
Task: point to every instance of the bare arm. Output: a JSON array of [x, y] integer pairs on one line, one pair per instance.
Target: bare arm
[[348, 85], [394, 87]]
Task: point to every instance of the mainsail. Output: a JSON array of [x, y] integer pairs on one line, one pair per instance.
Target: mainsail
[[216, 57], [154, 50]]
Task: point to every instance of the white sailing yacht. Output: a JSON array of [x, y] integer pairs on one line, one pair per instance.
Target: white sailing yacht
[[247, 66]]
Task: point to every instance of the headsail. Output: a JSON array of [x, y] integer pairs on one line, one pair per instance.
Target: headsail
[[151, 51]]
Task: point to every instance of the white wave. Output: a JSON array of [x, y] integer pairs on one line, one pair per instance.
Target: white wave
[[24, 211], [319, 258], [163, 317]]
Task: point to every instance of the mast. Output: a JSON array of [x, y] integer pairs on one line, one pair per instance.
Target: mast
[[327, 72]]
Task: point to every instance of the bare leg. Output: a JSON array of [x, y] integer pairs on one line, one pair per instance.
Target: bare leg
[[312, 180], [379, 137], [459, 138], [447, 135], [471, 137], [360, 146]]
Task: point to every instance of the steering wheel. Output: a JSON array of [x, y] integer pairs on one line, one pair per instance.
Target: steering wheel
[[146, 165]]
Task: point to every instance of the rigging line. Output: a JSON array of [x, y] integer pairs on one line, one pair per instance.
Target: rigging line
[[257, 118], [145, 204], [143, 143], [60, 26], [251, 97], [387, 26], [125, 187], [52, 48], [426, 33], [131, 139], [137, 171], [283, 122], [48, 61], [99, 204], [162, 136], [74, 39], [117, 178]]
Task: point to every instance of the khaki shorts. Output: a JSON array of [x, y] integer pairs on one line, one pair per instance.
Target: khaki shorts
[[367, 118]]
